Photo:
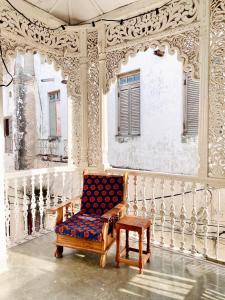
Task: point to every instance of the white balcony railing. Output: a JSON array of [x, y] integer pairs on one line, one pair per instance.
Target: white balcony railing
[[187, 213], [28, 194], [55, 147]]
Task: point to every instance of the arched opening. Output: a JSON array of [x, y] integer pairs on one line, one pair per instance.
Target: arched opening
[[36, 119], [153, 112], [35, 114]]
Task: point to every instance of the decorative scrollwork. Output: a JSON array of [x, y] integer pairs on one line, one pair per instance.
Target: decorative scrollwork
[[173, 14], [186, 44], [93, 100], [217, 90], [53, 40]]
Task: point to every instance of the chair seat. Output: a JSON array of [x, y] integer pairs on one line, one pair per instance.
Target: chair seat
[[82, 225]]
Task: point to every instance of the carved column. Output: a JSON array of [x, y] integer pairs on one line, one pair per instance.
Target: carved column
[[216, 90], [103, 163], [204, 73], [2, 208], [84, 98]]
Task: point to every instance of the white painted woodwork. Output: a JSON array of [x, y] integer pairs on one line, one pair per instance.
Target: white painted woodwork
[[204, 88]]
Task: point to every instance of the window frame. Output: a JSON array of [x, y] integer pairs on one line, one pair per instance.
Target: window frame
[[55, 100], [186, 136], [123, 87]]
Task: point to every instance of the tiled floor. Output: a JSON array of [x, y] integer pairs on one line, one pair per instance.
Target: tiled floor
[[33, 273]]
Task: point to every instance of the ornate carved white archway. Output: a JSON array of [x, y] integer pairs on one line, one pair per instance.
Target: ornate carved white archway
[[91, 57]]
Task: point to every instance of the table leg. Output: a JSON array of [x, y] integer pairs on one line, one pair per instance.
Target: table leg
[[127, 243], [140, 251], [117, 247], [148, 242]]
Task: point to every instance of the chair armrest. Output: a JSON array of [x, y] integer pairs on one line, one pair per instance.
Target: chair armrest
[[115, 211], [66, 203]]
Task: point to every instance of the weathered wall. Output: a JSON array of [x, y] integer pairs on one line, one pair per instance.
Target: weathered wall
[[160, 147], [43, 70]]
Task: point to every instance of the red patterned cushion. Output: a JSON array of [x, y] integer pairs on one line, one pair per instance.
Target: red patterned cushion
[[101, 193], [82, 225]]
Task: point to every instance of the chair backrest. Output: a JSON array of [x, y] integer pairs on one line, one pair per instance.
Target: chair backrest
[[102, 192]]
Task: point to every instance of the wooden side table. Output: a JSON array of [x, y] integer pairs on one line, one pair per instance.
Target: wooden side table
[[138, 224]]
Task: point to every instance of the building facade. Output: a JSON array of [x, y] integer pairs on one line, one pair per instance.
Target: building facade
[[160, 143]]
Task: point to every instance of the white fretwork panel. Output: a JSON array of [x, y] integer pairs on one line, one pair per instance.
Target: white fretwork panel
[[217, 90], [171, 15]]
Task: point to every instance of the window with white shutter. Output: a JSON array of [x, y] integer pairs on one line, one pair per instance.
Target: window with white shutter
[[191, 106], [54, 114], [129, 104]]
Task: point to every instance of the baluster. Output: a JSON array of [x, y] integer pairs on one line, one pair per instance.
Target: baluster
[[63, 187], [153, 209], [135, 207], [33, 204], [7, 212], [182, 217], [172, 214], [41, 203], [205, 222], [194, 220], [48, 200], [25, 207], [71, 186], [128, 196], [144, 197], [55, 193], [162, 214], [16, 211], [218, 226]]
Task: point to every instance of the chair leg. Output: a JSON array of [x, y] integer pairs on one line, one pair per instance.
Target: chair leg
[[58, 251], [103, 260]]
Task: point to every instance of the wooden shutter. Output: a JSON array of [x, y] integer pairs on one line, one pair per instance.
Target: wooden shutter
[[135, 110], [192, 106], [123, 112], [52, 118]]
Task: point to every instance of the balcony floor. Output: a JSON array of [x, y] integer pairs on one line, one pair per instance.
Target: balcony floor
[[34, 273]]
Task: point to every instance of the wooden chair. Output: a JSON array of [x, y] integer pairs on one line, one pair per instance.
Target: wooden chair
[[92, 228]]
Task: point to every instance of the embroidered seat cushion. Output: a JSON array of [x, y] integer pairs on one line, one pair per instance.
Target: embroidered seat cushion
[[101, 193], [82, 225]]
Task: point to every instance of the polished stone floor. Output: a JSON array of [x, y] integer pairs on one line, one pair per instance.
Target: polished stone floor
[[33, 273]]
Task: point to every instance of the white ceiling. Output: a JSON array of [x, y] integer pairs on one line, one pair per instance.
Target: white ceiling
[[75, 11]]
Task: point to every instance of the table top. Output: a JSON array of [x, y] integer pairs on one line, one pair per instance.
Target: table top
[[134, 221]]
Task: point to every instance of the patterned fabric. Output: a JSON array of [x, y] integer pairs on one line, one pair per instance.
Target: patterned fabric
[[101, 193], [82, 225]]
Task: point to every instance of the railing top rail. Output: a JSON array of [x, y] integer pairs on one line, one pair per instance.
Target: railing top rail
[[35, 172], [213, 182]]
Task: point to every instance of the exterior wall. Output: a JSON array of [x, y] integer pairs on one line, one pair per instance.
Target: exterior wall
[[8, 112], [160, 147], [33, 122], [43, 70]]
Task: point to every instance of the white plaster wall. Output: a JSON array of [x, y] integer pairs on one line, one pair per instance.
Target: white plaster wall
[[159, 148], [44, 71]]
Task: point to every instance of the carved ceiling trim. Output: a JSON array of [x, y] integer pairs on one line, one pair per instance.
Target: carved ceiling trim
[[171, 15], [54, 40]]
